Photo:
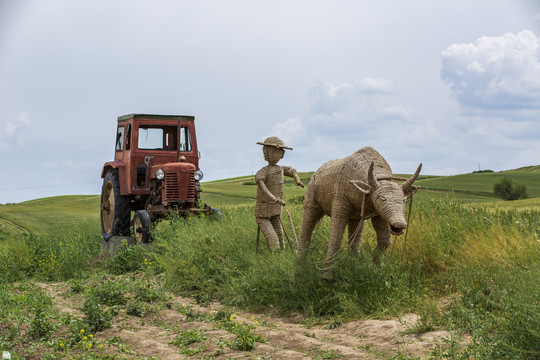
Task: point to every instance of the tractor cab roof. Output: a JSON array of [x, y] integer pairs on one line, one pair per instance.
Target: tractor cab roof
[[155, 117]]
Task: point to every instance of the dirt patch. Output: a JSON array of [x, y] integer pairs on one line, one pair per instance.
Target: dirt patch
[[155, 332]]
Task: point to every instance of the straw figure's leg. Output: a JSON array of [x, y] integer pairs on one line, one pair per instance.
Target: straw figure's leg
[[269, 233], [383, 237], [355, 240], [278, 229]]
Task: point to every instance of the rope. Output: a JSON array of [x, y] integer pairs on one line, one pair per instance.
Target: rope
[[292, 227], [285, 233], [406, 230], [359, 229]]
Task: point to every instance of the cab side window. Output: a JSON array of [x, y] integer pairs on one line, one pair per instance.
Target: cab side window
[[185, 139], [120, 138], [128, 137]]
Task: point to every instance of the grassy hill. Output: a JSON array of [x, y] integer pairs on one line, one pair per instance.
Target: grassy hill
[[482, 183], [43, 215], [242, 190], [46, 214]]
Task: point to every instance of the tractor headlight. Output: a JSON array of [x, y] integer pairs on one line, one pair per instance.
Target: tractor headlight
[[160, 174], [198, 175]]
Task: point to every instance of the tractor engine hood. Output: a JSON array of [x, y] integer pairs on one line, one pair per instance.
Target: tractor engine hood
[[179, 167]]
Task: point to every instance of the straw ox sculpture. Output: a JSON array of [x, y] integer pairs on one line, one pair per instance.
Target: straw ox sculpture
[[350, 190]]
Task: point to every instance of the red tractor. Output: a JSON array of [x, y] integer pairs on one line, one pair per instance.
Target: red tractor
[[155, 172]]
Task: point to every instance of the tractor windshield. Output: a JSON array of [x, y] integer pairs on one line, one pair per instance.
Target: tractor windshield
[[152, 137]]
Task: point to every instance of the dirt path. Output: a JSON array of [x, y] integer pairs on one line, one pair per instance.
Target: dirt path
[[154, 334], [13, 225]]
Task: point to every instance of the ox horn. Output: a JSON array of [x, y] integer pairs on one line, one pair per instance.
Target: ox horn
[[372, 180], [406, 186]]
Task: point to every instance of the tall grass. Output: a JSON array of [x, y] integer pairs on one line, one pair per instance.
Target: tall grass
[[484, 265], [59, 255], [488, 262]]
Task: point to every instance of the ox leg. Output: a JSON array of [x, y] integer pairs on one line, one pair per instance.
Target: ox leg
[[310, 218], [355, 240], [383, 237], [339, 219]]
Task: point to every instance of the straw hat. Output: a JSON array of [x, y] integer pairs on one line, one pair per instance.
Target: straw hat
[[274, 141]]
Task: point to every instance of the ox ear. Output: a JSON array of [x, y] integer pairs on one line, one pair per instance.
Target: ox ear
[[362, 186], [408, 187], [372, 180]]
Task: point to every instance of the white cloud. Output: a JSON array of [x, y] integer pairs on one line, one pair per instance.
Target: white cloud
[[376, 86], [495, 72], [13, 130], [345, 117], [291, 130], [329, 98]]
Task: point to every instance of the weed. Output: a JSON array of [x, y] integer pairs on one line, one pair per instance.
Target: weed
[[127, 258], [42, 326], [429, 319], [136, 309], [108, 292], [96, 319], [245, 334], [327, 354], [62, 254], [147, 293], [334, 323], [189, 337], [192, 315], [192, 351]]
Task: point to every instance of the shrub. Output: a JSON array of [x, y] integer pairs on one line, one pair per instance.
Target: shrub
[[63, 254], [15, 259], [189, 337], [95, 318], [41, 326], [127, 258], [136, 309], [507, 189], [108, 293]]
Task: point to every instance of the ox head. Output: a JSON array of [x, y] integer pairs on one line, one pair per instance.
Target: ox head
[[388, 197]]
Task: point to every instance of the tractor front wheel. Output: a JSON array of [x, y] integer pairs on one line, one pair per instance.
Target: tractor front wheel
[[115, 208], [142, 224]]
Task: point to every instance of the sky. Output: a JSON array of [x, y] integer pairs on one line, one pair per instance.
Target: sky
[[452, 84]]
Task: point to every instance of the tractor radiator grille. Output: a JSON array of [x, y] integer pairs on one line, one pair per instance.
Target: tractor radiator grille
[[179, 188], [171, 186], [191, 187]]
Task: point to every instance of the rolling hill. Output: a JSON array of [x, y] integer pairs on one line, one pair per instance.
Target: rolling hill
[[43, 215]]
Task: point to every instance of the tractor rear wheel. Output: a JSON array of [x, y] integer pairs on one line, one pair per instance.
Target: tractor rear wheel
[[142, 224], [115, 208]]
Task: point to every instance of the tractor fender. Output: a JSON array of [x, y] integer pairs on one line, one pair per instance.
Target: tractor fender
[[121, 173]]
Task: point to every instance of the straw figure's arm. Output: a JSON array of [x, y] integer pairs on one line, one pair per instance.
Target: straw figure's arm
[[291, 172], [271, 196]]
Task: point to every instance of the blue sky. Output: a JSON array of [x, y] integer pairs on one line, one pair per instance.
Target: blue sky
[[452, 84]]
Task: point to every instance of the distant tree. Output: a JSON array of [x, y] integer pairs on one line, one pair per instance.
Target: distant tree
[[507, 189], [482, 171]]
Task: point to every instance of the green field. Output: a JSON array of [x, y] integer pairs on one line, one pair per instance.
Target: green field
[[43, 215], [482, 183], [46, 214], [470, 266]]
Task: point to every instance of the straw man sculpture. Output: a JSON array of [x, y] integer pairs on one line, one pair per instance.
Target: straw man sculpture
[[269, 202]]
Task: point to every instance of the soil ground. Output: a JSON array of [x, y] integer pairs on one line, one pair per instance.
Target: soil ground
[[286, 337]]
